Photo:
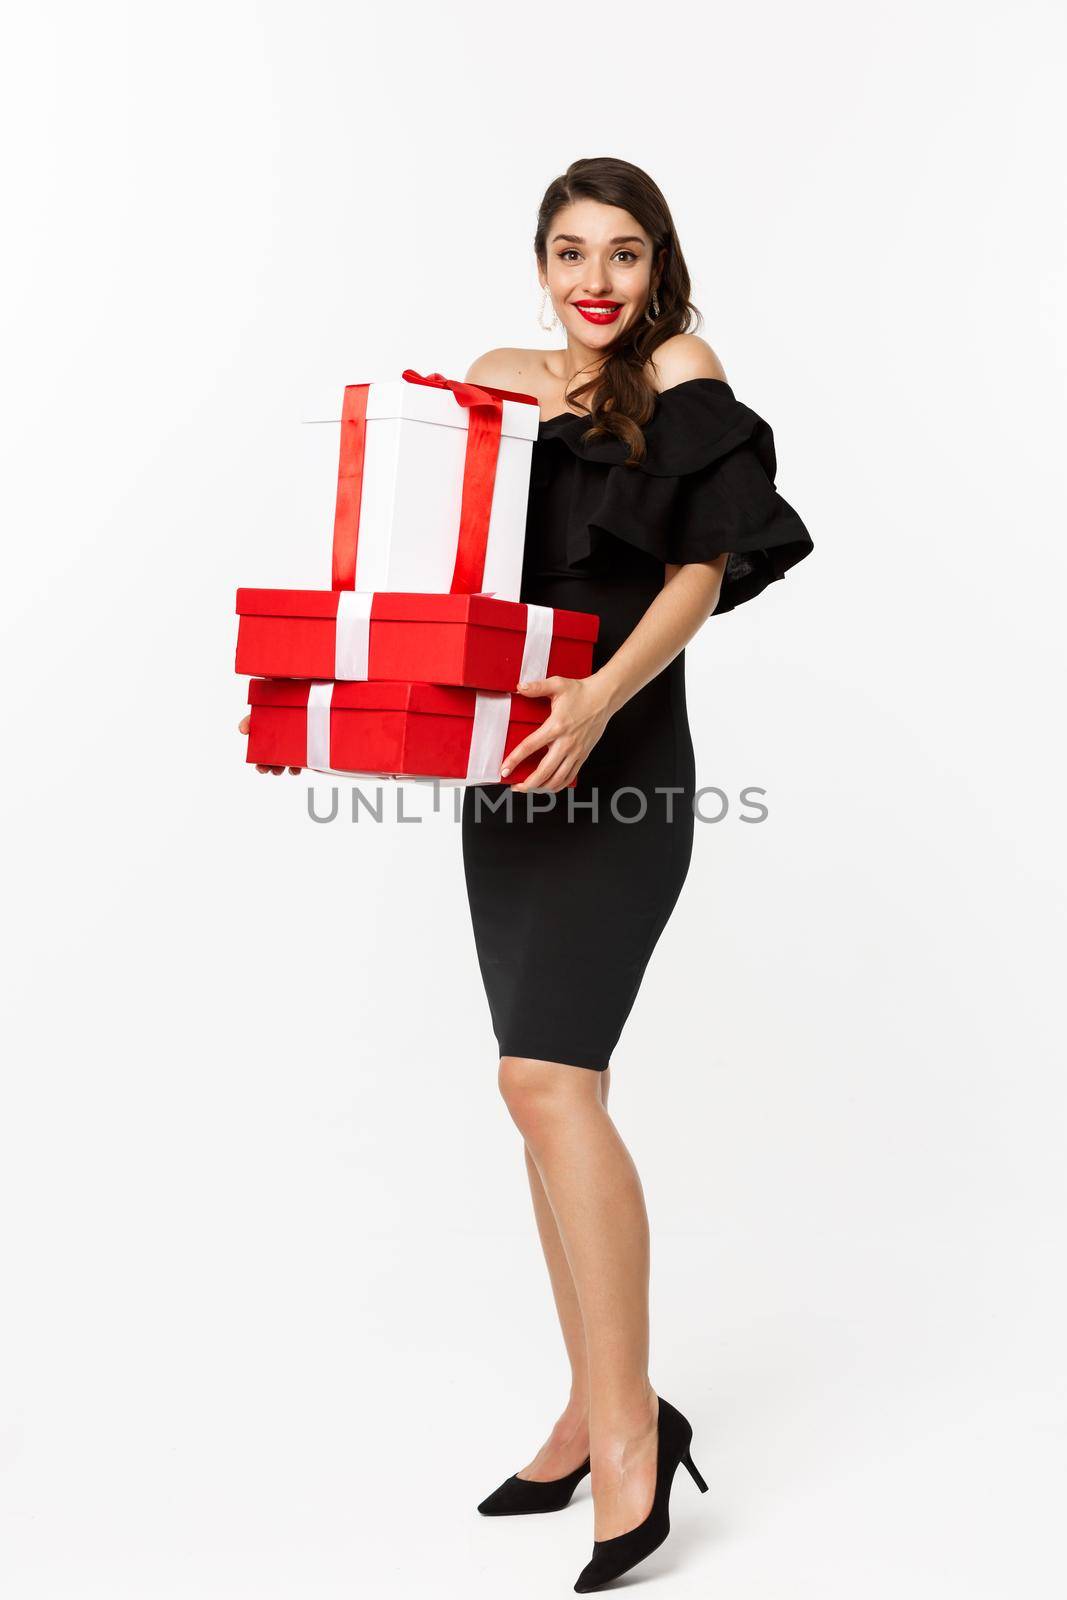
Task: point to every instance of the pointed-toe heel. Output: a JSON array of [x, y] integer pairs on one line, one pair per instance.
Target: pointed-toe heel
[[518, 1497], [612, 1557]]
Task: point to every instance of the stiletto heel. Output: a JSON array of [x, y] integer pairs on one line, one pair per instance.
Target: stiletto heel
[[520, 1496], [612, 1557], [687, 1460]]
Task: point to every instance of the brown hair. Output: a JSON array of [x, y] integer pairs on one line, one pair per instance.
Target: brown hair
[[622, 399]]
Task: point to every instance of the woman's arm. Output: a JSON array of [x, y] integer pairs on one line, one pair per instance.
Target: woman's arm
[[683, 604]]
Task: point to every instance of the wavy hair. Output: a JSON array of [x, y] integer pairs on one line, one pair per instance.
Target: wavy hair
[[619, 397]]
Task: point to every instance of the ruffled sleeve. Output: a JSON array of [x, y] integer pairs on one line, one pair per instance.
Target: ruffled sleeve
[[705, 488]]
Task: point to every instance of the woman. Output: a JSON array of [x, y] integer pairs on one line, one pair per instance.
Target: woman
[[652, 504]]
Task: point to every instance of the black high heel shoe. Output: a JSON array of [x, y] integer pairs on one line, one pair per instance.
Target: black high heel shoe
[[612, 1557], [519, 1496]]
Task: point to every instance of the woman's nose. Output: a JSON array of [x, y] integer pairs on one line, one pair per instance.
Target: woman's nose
[[597, 282]]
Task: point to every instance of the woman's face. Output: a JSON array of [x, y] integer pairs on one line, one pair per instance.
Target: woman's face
[[598, 271]]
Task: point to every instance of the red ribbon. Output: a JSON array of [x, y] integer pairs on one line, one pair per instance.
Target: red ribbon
[[479, 477], [349, 485]]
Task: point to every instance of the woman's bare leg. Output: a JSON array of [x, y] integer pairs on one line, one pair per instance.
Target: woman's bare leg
[[568, 1444], [595, 1195]]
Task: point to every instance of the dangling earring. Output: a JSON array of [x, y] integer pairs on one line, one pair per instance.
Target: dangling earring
[[655, 308], [546, 301]]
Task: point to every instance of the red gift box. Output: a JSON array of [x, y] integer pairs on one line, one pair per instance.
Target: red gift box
[[392, 729], [470, 640]]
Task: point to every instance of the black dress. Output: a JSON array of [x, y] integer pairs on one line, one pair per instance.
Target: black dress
[[567, 902]]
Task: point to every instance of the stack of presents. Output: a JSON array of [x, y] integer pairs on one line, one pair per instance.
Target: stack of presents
[[405, 666]]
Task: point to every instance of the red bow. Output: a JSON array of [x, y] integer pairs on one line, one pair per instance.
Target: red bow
[[468, 394], [461, 389]]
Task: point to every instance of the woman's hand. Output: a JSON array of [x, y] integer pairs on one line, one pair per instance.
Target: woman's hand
[[581, 710], [242, 727]]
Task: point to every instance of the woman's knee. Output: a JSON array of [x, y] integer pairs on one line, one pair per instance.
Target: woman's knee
[[538, 1093]]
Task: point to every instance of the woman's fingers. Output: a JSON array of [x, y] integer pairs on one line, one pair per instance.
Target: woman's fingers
[[552, 772], [243, 727], [543, 687], [526, 747], [568, 771]]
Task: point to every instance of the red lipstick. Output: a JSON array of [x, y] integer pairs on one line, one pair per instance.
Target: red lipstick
[[599, 311]]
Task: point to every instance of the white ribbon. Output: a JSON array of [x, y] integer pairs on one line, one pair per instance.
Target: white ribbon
[[320, 697], [539, 621], [492, 713], [351, 654]]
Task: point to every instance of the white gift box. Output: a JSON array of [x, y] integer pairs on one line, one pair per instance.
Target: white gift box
[[409, 487]]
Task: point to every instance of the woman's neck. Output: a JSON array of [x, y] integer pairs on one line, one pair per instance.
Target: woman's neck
[[578, 361]]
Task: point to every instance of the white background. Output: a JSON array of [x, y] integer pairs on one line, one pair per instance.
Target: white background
[[275, 1317]]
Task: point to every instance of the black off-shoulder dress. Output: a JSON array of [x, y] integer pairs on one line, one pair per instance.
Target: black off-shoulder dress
[[569, 892]]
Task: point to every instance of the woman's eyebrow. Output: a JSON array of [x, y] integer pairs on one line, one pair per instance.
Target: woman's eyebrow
[[620, 238]]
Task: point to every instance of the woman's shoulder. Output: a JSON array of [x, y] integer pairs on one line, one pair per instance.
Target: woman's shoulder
[[522, 371], [683, 357]]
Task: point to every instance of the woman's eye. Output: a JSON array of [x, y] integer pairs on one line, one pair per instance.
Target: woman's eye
[[631, 255]]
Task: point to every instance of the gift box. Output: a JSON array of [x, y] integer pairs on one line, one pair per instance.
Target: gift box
[[432, 483], [469, 640], [392, 729]]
